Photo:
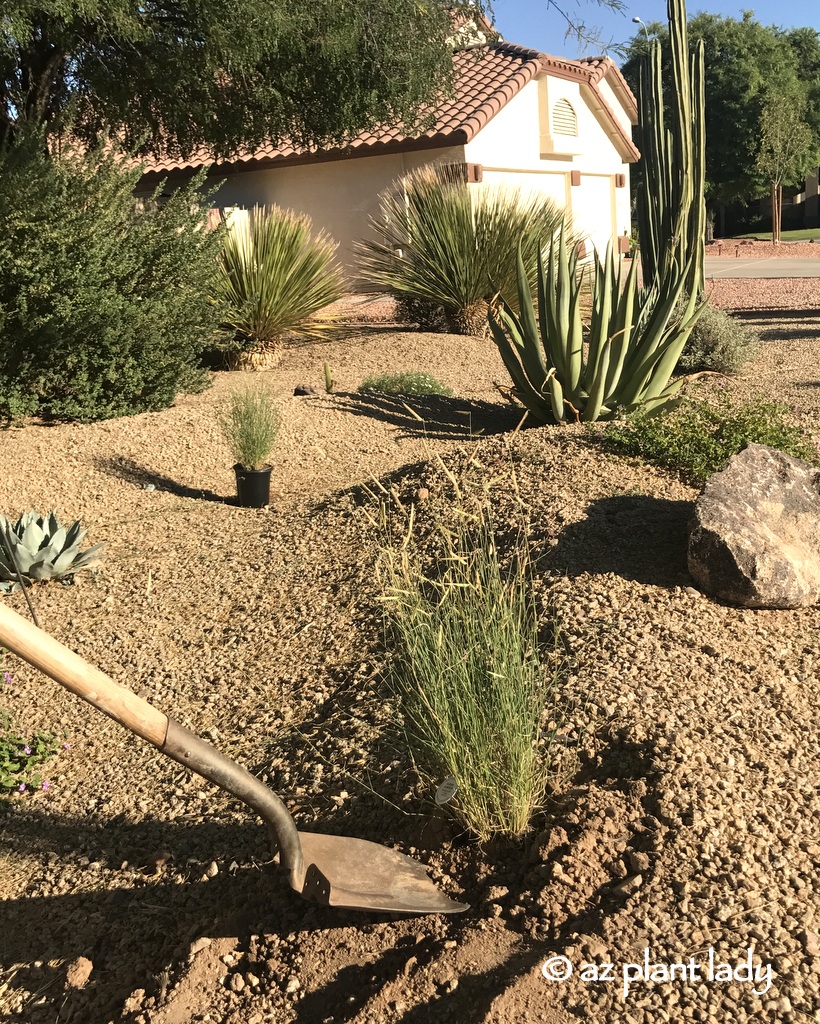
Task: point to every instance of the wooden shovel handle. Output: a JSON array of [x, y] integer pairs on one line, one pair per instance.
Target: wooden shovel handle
[[71, 671]]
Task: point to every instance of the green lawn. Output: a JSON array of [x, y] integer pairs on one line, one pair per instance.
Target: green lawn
[[803, 235]]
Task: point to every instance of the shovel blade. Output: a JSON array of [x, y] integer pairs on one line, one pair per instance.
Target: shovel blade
[[361, 875]]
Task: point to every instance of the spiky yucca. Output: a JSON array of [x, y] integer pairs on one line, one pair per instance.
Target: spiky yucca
[[452, 245], [274, 276]]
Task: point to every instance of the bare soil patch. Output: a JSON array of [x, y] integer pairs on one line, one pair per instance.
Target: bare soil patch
[[689, 821]]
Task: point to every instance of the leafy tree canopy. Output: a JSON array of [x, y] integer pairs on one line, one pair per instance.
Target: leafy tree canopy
[[172, 75], [747, 63]]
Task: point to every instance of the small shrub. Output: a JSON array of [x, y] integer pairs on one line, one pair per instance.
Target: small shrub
[[273, 277], [465, 666], [250, 424], [104, 301], [42, 549], [410, 383], [718, 342], [20, 757], [698, 439]]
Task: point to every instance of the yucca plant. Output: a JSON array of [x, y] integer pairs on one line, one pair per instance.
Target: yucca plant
[[627, 358], [41, 549], [451, 246], [273, 278]]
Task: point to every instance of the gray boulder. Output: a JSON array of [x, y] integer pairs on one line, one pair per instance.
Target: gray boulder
[[754, 539]]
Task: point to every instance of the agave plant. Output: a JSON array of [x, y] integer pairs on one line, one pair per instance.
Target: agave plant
[[42, 549], [625, 359], [273, 277], [444, 245]]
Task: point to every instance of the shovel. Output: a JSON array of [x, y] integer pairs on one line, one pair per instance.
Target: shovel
[[331, 870]]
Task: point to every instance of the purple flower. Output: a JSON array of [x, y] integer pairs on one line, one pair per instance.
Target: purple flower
[[21, 788], [46, 784], [27, 749], [66, 746], [7, 677]]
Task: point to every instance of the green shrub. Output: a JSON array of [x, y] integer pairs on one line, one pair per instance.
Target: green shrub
[[21, 756], [273, 277], [451, 247], [410, 383], [465, 665], [698, 439], [104, 301], [718, 342], [250, 424]]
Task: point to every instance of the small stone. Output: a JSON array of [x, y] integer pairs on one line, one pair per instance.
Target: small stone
[[638, 862], [811, 942], [198, 945], [237, 983], [292, 986], [422, 494], [158, 860], [629, 886], [78, 973], [306, 391], [213, 869], [251, 980]]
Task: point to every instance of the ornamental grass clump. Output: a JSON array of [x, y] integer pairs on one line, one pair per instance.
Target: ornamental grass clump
[[465, 664], [440, 244], [273, 277], [250, 423]]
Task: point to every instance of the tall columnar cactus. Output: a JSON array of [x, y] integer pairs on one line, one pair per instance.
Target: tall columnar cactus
[[671, 206]]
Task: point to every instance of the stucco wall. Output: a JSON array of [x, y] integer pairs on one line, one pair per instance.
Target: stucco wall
[[339, 196], [519, 145]]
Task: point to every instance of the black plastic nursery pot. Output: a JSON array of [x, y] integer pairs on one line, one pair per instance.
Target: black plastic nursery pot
[[252, 486]]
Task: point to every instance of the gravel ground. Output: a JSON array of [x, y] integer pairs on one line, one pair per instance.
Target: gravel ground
[[688, 819], [732, 248]]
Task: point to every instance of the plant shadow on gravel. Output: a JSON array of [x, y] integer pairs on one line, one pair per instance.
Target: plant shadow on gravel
[[134, 473], [634, 536], [438, 417]]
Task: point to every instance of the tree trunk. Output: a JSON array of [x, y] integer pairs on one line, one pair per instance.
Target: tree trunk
[[775, 216]]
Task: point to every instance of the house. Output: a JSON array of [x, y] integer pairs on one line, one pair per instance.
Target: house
[[562, 127]]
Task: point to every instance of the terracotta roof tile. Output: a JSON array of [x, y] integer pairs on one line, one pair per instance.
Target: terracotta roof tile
[[487, 78]]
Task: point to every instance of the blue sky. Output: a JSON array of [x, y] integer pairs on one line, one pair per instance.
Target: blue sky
[[533, 23]]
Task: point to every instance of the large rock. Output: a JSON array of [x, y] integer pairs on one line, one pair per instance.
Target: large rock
[[754, 539]]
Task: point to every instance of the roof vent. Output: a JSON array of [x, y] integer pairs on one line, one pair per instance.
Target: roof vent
[[564, 118]]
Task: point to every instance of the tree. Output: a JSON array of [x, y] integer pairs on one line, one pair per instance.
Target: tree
[[174, 75], [787, 149], [577, 27], [744, 61]]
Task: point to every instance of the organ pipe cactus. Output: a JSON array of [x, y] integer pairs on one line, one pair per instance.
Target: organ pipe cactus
[[42, 549], [670, 202], [624, 363]]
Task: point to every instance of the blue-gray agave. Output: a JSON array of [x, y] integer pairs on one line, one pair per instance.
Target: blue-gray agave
[[43, 550]]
